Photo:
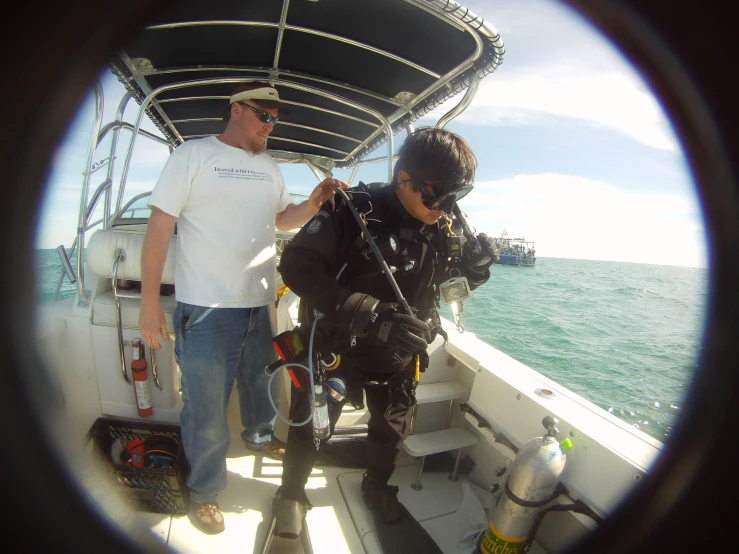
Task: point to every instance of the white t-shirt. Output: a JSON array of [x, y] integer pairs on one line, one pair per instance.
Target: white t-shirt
[[225, 200]]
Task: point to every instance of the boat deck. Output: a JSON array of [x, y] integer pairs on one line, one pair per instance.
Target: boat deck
[[339, 521]]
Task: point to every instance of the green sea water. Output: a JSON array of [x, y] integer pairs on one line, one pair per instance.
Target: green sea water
[[627, 337]]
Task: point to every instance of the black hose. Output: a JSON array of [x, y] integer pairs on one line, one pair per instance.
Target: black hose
[[465, 226], [378, 255]]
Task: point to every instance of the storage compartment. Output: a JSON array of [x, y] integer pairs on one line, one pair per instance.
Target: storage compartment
[[158, 486]]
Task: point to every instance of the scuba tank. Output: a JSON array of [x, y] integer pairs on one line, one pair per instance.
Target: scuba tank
[[530, 486]]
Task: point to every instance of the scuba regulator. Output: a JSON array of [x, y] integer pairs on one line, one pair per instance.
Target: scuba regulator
[[478, 253], [291, 350]]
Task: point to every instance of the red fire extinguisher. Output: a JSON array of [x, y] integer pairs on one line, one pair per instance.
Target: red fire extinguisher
[[141, 380]]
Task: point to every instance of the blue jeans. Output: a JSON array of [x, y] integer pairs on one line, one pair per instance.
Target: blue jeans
[[213, 347]]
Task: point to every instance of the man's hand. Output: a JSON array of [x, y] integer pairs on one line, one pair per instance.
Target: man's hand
[[152, 324], [325, 190]]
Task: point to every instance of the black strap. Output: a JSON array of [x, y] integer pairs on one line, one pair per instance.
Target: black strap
[[408, 234], [525, 503]]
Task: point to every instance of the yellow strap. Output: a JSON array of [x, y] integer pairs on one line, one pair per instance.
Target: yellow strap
[[282, 291], [336, 364], [418, 368]]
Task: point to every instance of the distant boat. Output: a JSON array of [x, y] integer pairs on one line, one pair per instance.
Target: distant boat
[[515, 251]]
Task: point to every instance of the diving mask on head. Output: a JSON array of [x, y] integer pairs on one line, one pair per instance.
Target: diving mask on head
[[441, 196]]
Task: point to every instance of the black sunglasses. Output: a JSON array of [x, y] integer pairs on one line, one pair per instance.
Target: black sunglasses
[[443, 201], [264, 117]]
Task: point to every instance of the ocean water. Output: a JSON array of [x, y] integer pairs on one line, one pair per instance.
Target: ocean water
[[626, 337]]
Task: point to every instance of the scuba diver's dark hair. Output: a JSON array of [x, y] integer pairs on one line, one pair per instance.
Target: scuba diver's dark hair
[[437, 156]]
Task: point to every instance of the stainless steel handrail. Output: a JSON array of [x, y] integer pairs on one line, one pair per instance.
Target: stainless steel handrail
[[113, 146], [114, 125], [128, 204], [280, 33], [354, 174], [102, 187], [281, 26], [444, 79], [84, 298], [469, 95], [282, 124], [298, 86], [120, 256], [154, 373], [61, 277], [285, 73], [290, 102]]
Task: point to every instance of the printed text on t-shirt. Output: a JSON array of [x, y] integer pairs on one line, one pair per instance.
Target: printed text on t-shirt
[[237, 173]]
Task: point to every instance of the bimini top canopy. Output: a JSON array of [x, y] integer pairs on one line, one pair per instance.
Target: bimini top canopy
[[351, 70]]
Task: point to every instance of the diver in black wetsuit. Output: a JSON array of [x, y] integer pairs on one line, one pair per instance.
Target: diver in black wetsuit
[[331, 268]]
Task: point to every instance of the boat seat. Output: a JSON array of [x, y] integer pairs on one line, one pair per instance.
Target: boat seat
[[102, 250], [104, 243], [434, 442], [103, 311]]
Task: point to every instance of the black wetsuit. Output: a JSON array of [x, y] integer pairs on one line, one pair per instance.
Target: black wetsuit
[[309, 266]]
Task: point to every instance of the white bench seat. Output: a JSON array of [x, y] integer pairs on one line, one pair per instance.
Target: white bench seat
[[103, 311], [439, 392], [425, 444]]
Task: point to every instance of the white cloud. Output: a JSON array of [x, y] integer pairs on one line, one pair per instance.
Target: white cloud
[[572, 217], [561, 67], [607, 99]]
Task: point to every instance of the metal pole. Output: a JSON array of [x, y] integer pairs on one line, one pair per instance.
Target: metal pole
[[413, 418], [417, 486], [280, 33], [82, 220], [269, 536], [305, 539], [462, 106], [315, 172], [289, 84], [453, 476], [354, 174], [113, 145], [120, 256], [153, 356]]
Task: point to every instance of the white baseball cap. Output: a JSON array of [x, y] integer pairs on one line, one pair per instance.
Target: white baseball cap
[[261, 95]]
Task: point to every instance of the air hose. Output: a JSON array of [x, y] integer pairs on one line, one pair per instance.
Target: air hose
[[309, 367], [377, 253]]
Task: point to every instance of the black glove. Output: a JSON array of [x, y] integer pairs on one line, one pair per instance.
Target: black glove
[[382, 324], [478, 254]]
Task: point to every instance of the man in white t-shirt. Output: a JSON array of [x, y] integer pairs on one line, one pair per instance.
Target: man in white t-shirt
[[226, 196]]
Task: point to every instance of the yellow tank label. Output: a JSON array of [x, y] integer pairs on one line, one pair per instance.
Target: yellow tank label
[[494, 542]]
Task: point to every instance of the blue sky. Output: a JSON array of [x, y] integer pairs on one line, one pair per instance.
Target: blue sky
[[574, 151]]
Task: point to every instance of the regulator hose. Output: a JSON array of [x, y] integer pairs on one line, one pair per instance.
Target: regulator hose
[[376, 251]]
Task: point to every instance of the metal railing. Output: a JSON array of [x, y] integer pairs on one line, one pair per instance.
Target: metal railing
[[104, 189], [120, 256]]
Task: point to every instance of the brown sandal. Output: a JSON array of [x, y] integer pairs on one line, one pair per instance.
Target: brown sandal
[[207, 517], [274, 449]]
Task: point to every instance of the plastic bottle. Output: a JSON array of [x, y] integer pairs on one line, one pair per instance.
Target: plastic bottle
[[321, 429]]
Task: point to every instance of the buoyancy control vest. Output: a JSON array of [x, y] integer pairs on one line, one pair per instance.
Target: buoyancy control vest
[[417, 264]]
